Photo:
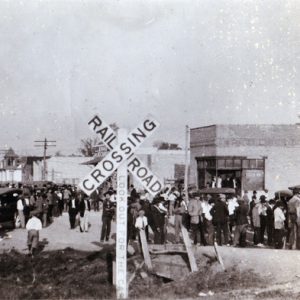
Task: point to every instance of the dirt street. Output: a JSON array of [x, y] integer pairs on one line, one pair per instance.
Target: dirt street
[[251, 273], [58, 235]]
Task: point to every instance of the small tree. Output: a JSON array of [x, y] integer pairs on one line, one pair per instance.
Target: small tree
[[89, 146], [58, 154], [166, 146]]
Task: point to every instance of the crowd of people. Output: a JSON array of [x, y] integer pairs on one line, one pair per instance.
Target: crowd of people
[[227, 219]]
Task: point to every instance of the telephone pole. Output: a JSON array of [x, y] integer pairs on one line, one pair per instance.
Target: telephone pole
[[45, 144], [187, 161]]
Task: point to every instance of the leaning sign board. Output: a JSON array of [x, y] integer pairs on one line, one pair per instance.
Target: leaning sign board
[[121, 152], [137, 168]]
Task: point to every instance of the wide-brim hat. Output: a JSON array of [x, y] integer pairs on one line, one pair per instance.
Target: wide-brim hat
[[262, 198]]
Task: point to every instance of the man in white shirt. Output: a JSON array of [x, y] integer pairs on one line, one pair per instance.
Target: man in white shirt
[[172, 198], [141, 221], [279, 219], [232, 205], [33, 226], [20, 208], [207, 220]]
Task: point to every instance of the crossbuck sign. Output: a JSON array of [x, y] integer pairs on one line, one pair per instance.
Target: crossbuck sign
[[121, 157], [121, 152]]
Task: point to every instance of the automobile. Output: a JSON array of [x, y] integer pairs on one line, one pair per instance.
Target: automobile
[[295, 187], [8, 206], [214, 192], [284, 194]]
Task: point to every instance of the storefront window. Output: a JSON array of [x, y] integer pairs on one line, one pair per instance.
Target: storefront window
[[252, 164], [260, 163], [221, 163], [245, 163], [211, 163], [237, 163], [229, 163], [201, 164]]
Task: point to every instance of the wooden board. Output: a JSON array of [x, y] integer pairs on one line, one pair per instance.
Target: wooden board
[[145, 249], [219, 257], [172, 267], [158, 252], [167, 247], [189, 250]]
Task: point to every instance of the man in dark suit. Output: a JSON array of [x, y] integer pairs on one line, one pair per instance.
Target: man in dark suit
[[84, 208], [73, 209], [159, 213], [107, 215], [220, 219]]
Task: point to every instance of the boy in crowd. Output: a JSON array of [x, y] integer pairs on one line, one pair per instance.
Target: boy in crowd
[[279, 219], [33, 226], [141, 221]]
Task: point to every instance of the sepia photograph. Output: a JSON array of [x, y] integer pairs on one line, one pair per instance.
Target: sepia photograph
[[149, 149]]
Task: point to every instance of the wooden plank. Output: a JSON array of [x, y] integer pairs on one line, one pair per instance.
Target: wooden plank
[[167, 252], [219, 257], [137, 268], [170, 266], [167, 247], [145, 250], [188, 245], [114, 272]]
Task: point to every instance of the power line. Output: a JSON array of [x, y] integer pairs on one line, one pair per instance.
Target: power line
[[45, 145]]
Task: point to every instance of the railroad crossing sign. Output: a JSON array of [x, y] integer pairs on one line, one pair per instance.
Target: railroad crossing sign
[[121, 152], [121, 157]]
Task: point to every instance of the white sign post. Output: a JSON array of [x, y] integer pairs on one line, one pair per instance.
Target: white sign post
[[121, 157], [121, 223]]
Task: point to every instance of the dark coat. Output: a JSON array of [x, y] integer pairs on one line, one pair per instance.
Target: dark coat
[[83, 208], [76, 205], [219, 212], [108, 209], [158, 217], [241, 213]]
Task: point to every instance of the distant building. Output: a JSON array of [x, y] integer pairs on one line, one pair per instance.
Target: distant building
[[27, 167], [258, 157], [62, 169], [10, 168], [16, 169], [168, 165]]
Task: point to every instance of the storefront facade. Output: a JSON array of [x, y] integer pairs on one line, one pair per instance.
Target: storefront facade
[[246, 157]]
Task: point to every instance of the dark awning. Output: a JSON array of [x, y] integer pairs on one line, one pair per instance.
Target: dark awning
[[217, 191]]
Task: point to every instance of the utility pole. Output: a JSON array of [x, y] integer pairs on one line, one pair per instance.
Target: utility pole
[[45, 144], [187, 161], [2, 153]]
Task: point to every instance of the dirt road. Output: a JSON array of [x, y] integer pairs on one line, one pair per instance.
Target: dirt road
[[58, 236], [280, 268]]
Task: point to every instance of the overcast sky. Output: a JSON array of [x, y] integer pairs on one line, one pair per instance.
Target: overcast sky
[[186, 62]]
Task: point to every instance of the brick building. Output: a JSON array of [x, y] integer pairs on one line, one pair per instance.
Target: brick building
[[257, 156]]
